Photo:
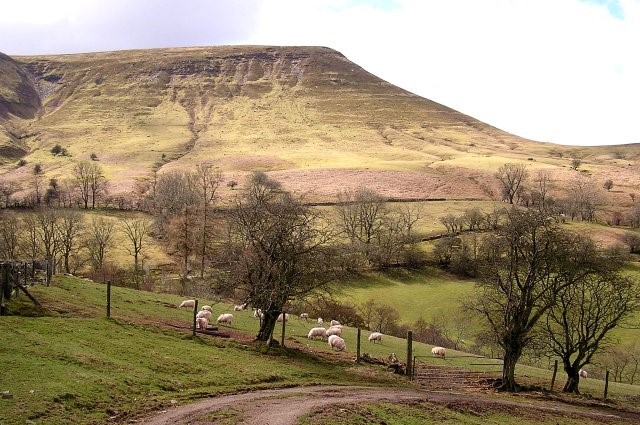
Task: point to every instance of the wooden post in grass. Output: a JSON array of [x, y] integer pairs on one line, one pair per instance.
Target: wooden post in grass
[[3, 277], [358, 347], [195, 313], [409, 353], [25, 274], [108, 299], [555, 371], [284, 322], [606, 384]]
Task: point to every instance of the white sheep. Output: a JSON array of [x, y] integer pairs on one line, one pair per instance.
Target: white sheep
[[202, 323], [286, 317], [335, 323], [206, 307], [320, 321], [239, 307], [225, 318], [334, 330], [583, 373], [314, 332], [257, 313], [204, 313], [188, 303], [304, 316], [438, 352], [375, 337], [336, 342]]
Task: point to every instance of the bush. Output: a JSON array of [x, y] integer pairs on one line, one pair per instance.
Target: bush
[[93, 157], [57, 149], [22, 162]]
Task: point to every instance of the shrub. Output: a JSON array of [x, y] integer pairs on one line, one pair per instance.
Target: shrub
[[22, 162], [57, 149], [94, 157]]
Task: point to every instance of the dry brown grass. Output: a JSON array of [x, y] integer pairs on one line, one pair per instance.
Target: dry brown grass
[[311, 118]]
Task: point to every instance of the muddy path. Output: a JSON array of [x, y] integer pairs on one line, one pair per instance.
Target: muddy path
[[285, 406]]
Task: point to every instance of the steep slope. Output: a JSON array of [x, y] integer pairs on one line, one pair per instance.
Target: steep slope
[[19, 99], [308, 115]]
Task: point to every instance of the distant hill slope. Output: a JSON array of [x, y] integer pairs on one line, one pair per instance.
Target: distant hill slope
[[308, 115]]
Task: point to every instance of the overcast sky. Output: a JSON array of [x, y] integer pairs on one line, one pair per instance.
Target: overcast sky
[[564, 71]]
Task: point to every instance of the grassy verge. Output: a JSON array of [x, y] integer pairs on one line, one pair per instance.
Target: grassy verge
[[423, 413]]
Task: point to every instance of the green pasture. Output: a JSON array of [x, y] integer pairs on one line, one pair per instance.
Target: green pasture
[[75, 366], [428, 294]]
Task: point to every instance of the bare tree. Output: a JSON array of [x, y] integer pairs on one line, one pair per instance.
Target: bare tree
[[585, 312], [361, 215], [70, 228], [100, 240], [584, 198], [511, 178], [47, 220], [182, 240], [7, 189], [278, 249], [90, 182], [208, 180], [37, 182], [527, 263], [172, 193], [10, 230], [137, 231], [542, 181], [30, 245]]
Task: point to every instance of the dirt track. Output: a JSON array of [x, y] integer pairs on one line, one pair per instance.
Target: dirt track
[[285, 406]]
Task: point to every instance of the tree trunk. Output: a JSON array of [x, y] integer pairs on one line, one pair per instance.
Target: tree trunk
[[512, 353], [268, 324], [573, 379]]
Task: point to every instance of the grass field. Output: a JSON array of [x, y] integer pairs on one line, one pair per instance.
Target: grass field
[[75, 366]]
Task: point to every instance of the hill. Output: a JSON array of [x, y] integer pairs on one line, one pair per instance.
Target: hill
[[307, 115]]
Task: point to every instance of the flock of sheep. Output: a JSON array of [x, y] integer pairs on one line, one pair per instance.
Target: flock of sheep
[[333, 334]]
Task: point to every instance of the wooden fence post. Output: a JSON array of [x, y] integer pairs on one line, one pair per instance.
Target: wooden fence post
[[358, 347], [195, 313], [606, 384], [108, 299], [2, 283], [284, 324], [555, 371], [409, 371]]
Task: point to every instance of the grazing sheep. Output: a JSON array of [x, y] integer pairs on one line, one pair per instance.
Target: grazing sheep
[[304, 316], [286, 317], [225, 318], [335, 323], [314, 332], [336, 342], [583, 373], [204, 313], [206, 307], [188, 303], [375, 337], [320, 321], [334, 330], [202, 323], [438, 352], [257, 313], [239, 307]]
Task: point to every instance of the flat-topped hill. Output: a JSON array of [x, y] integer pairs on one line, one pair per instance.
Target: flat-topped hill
[[307, 115]]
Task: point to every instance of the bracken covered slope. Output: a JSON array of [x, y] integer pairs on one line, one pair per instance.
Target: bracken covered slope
[[307, 115]]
